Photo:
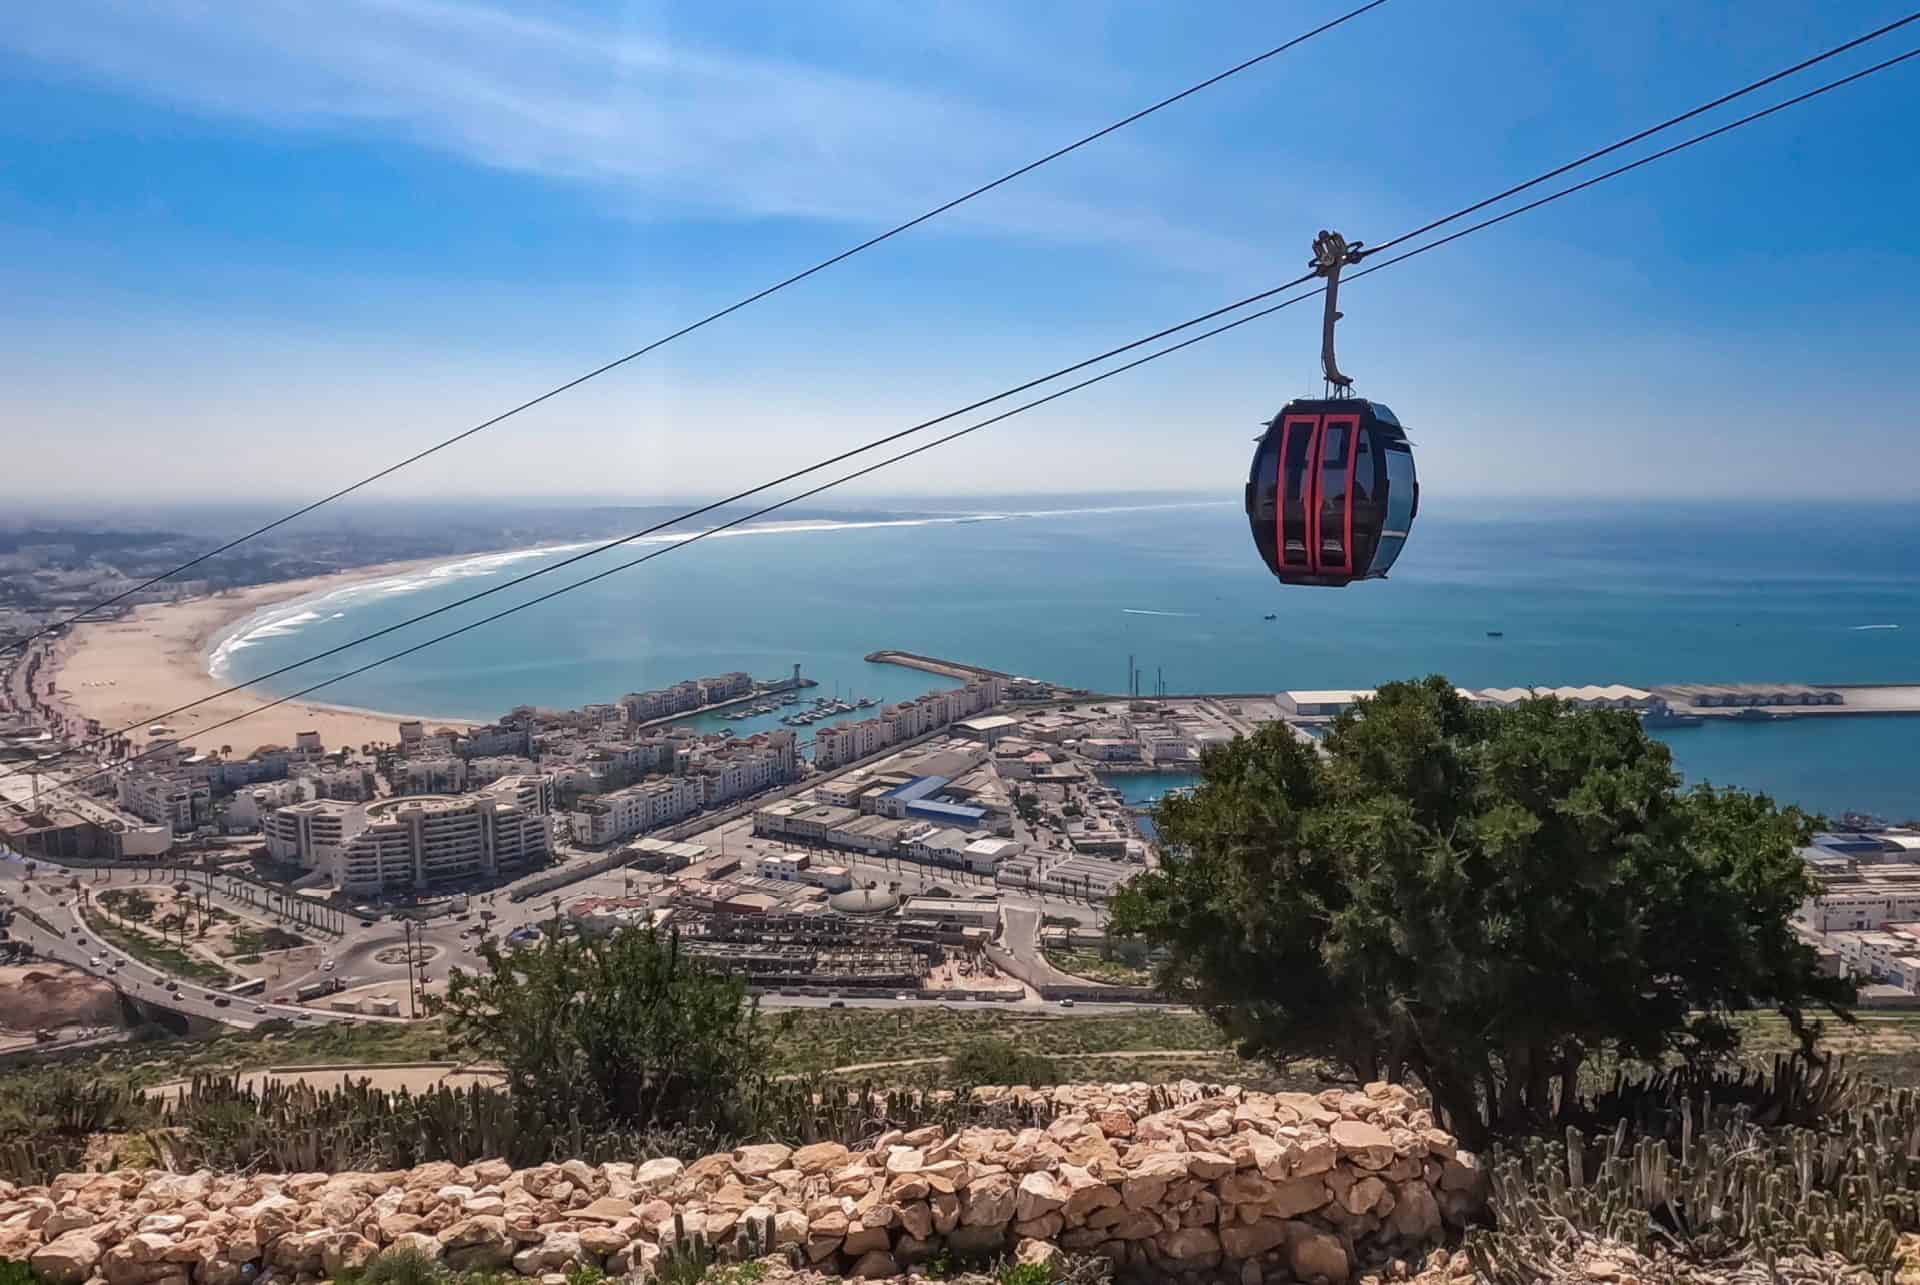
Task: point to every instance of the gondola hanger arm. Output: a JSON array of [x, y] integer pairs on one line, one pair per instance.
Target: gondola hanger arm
[[1331, 253]]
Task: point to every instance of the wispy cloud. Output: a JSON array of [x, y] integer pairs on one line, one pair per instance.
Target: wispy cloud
[[665, 128]]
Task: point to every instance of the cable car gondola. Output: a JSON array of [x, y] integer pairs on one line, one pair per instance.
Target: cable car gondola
[[1333, 493]]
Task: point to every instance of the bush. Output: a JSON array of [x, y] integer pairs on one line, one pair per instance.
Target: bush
[[623, 1031], [987, 1060], [399, 1267]]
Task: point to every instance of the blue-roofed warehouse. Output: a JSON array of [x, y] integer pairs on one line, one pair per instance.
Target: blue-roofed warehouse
[[920, 799]]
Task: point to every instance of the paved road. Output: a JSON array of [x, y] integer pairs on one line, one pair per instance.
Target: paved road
[[78, 946], [354, 953]]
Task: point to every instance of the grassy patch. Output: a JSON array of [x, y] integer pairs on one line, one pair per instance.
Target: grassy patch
[[245, 939], [819, 1038], [1088, 964], [164, 956]]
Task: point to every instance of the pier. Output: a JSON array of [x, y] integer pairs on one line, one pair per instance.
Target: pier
[[933, 665]]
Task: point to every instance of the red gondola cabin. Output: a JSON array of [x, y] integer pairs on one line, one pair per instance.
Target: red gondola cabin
[[1333, 494]]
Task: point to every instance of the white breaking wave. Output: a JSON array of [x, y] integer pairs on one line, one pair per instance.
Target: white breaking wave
[[1857, 628], [288, 618]]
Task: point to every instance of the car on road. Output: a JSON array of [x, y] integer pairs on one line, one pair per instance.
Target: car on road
[[221, 1001], [366, 923], [95, 962], [838, 1003], [326, 966], [1066, 1003], [259, 1008]]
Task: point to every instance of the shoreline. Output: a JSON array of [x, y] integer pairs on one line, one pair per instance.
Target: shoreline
[[123, 673]]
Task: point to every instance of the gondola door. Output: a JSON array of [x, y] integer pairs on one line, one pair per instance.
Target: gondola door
[[1299, 493], [1331, 505]]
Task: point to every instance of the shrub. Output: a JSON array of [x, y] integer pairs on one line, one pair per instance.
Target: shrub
[[987, 1060]]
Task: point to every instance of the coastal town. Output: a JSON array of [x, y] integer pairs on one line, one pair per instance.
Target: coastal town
[[961, 845]]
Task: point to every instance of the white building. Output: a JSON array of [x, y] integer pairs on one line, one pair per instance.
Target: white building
[[442, 774], [176, 801], [415, 843], [608, 818], [1319, 704]]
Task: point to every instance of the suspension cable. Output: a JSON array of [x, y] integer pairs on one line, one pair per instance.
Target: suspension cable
[[711, 317], [940, 441]]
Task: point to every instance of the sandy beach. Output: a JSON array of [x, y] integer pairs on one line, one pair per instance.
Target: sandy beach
[[127, 672]]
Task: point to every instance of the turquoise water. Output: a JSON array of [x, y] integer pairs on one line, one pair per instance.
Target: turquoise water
[[1635, 594], [1149, 787]]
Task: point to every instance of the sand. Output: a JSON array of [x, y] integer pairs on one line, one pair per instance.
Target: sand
[[128, 672]]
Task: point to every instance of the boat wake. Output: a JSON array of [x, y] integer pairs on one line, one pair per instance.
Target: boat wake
[[1142, 611], [1858, 628]]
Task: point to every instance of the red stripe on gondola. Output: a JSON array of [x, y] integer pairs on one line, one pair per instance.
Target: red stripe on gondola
[[1309, 491], [1352, 424], [1312, 488]]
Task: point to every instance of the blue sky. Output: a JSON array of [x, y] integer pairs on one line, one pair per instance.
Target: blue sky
[[256, 249]]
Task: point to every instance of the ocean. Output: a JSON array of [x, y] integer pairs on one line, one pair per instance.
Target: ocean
[[1071, 590]]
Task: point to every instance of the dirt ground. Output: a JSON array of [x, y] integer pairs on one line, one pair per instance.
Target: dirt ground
[[52, 996]]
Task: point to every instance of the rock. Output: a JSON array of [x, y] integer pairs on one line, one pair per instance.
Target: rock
[[1036, 1253], [789, 1227], [1416, 1214], [820, 1157], [1318, 1255], [1045, 1227], [875, 1265], [988, 1201], [916, 1219], [1208, 1165], [162, 1223], [67, 1260], [656, 1174], [427, 1246], [761, 1158], [1192, 1244], [1250, 1240], [1039, 1193], [1245, 1188], [1363, 1195], [1367, 1145], [862, 1240], [1297, 1196], [559, 1249], [482, 1241], [346, 1252], [607, 1209], [601, 1241], [1147, 1181]]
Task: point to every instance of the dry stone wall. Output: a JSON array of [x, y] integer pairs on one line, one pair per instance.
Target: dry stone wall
[[1224, 1185]]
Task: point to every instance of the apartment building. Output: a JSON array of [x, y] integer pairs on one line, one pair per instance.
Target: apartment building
[[172, 799], [602, 819], [416, 843]]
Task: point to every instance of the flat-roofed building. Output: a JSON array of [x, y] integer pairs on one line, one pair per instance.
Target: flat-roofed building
[[1321, 703], [952, 910]]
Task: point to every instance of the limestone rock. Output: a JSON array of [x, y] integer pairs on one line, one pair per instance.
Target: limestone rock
[[875, 1265], [68, 1260], [1318, 1255]]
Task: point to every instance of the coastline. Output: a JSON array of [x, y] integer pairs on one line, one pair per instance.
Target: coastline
[[155, 658]]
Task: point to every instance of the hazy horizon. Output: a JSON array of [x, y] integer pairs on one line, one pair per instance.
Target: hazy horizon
[[263, 250]]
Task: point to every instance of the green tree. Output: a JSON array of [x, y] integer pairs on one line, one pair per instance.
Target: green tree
[[625, 1030], [1482, 898], [986, 1060]]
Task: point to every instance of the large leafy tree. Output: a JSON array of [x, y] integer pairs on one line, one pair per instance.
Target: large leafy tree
[[1483, 898], [624, 1030]]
